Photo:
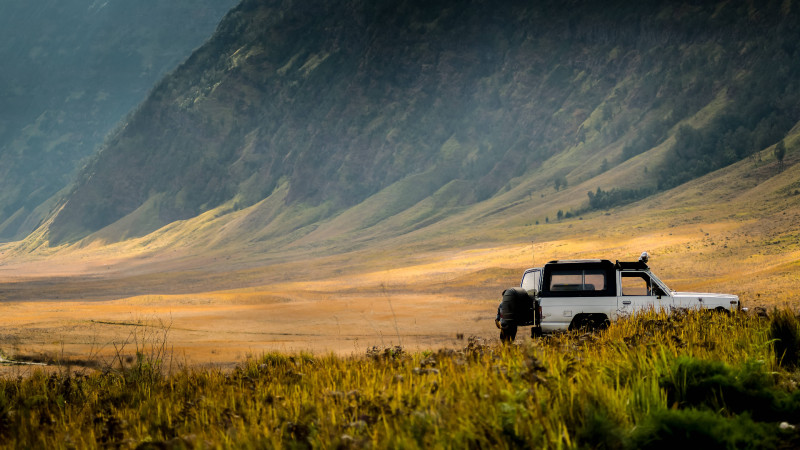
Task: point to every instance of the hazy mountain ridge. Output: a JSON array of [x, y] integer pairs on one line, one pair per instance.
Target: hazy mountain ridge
[[72, 70], [327, 103]]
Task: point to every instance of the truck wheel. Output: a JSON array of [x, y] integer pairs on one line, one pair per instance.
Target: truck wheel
[[589, 322], [508, 334], [601, 323]]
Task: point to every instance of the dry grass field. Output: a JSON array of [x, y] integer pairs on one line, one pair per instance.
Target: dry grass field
[[727, 381], [735, 231]]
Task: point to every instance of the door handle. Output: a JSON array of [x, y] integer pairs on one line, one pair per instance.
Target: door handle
[[626, 302]]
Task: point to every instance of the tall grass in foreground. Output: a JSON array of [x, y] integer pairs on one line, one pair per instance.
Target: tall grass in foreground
[[651, 381]]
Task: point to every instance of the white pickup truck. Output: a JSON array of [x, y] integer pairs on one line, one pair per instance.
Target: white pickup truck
[[574, 294]]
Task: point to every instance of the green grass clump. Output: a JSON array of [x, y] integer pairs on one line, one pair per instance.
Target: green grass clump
[[785, 333], [645, 382], [715, 386], [669, 429]]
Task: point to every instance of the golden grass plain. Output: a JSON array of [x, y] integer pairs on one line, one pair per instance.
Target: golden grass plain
[[735, 231]]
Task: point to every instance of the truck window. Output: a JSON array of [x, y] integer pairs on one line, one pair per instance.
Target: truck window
[[577, 280], [594, 280], [634, 283], [530, 280]]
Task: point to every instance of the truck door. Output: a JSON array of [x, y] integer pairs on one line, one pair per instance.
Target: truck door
[[572, 289], [638, 292]]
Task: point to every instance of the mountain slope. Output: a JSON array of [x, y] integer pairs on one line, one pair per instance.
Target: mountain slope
[[310, 108], [72, 69]]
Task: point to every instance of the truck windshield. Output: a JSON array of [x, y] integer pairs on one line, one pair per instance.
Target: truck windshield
[[658, 282]]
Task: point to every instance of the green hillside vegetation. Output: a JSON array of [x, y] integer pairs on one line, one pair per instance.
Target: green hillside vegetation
[[653, 380], [315, 107], [72, 70]]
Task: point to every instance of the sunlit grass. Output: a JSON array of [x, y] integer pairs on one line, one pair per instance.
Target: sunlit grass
[[619, 388]]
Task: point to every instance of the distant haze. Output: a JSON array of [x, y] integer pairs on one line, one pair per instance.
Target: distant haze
[[72, 70]]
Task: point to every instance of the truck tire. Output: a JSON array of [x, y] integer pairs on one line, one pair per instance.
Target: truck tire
[[516, 307], [721, 310], [589, 322]]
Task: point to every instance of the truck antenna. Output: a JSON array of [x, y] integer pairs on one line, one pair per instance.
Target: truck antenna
[[533, 254]]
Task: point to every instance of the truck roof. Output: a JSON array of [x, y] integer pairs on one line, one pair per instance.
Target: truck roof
[[638, 265], [578, 261], [620, 265]]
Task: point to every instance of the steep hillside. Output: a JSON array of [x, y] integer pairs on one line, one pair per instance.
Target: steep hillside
[[412, 110], [72, 69]]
